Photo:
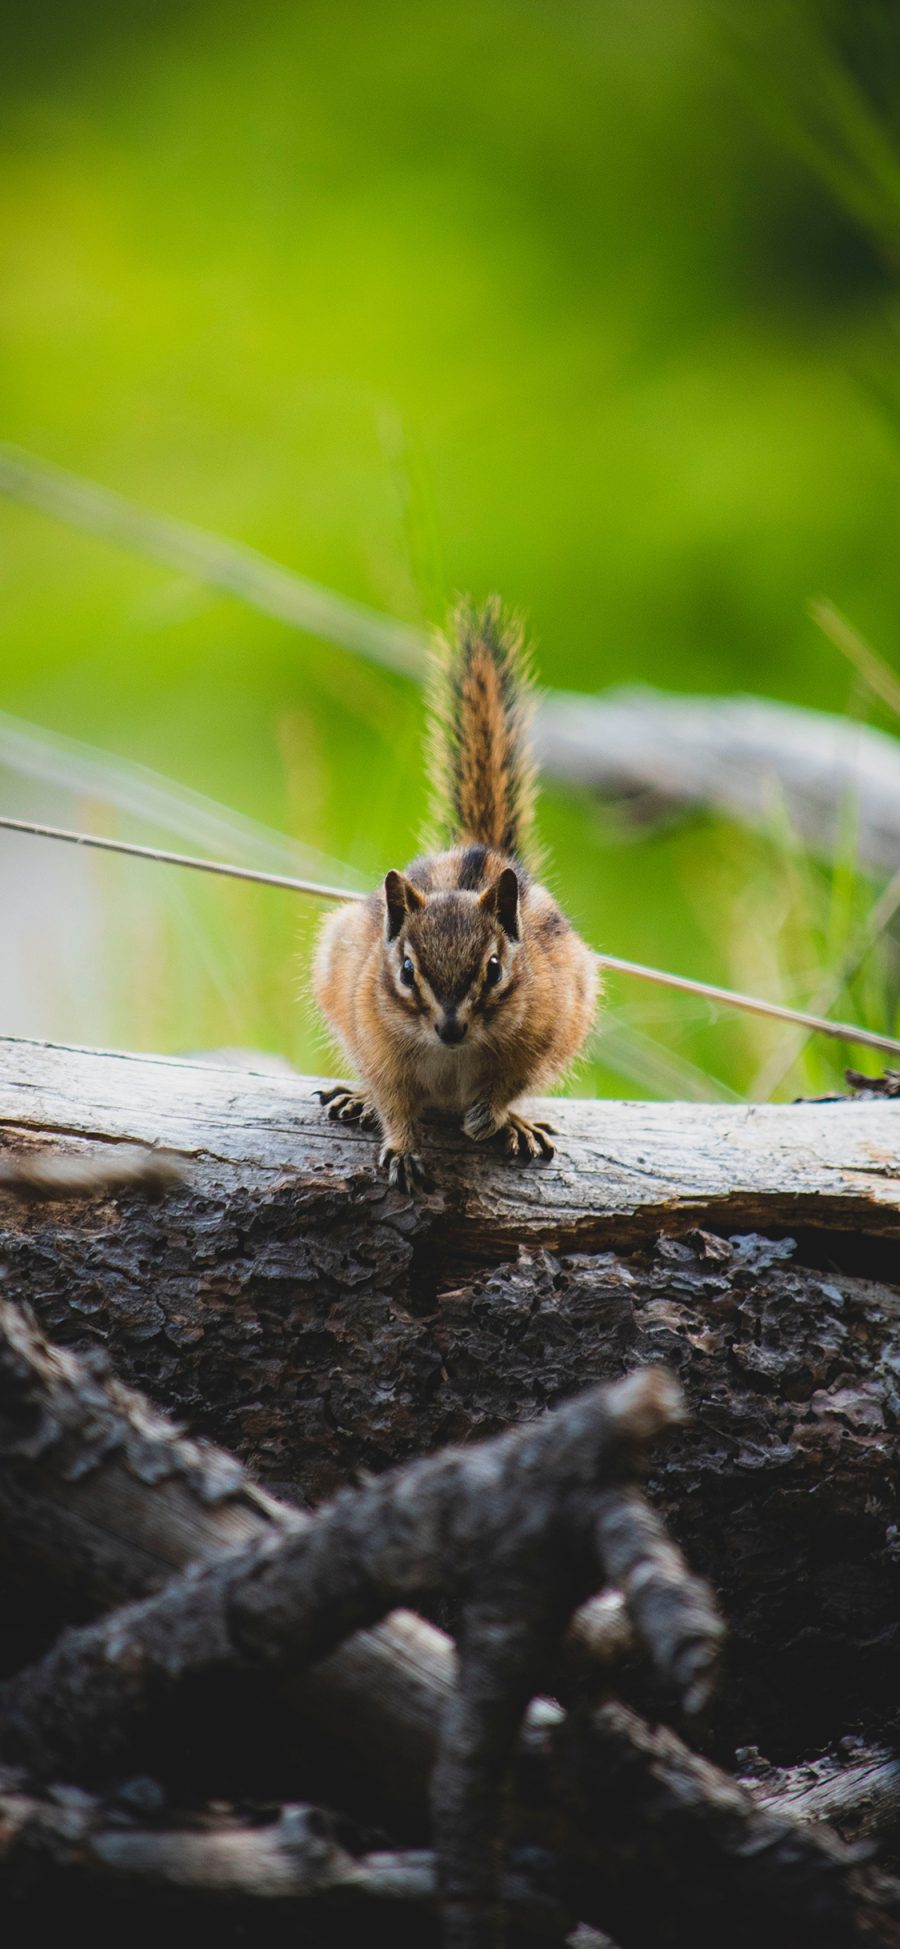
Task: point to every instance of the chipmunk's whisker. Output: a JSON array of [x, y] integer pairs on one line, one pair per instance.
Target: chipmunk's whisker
[[725, 997]]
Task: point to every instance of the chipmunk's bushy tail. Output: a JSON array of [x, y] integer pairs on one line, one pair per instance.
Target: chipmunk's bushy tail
[[482, 768]]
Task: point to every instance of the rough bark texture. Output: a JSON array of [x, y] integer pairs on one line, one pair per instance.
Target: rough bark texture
[[519, 1561], [597, 1796], [290, 1306], [286, 1303]]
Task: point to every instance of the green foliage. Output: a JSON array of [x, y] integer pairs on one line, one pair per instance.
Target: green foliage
[[592, 306]]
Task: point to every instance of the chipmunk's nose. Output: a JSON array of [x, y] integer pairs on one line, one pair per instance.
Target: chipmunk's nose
[[451, 1030]]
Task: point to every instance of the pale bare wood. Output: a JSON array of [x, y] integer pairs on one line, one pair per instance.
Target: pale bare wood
[[860, 1795], [622, 1172], [293, 1854]]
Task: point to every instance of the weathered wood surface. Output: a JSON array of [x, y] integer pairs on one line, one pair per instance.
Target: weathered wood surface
[[123, 1867], [857, 1792], [623, 1171], [289, 1305], [739, 755]]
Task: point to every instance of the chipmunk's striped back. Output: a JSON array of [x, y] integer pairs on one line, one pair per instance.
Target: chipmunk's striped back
[[481, 764]]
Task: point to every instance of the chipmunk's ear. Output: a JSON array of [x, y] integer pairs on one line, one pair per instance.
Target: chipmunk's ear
[[502, 898], [401, 899]]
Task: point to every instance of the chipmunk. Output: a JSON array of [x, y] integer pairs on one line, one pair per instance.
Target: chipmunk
[[461, 984]]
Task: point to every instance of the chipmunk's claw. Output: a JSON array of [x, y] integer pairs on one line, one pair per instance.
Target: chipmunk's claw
[[527, 1140], [348, 1106], [519, 1136], [405, 1169]]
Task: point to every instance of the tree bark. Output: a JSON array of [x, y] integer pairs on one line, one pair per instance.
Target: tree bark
[[285, 1302], [599, 1795]]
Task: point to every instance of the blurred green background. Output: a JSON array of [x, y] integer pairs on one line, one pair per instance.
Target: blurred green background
[[592, 304]]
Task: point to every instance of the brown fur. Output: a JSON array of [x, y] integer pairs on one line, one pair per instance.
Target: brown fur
[[500, 991], [480, 707]]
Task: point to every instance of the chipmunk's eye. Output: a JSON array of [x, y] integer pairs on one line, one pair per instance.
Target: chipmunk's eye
[[493, 971], [408, 973]]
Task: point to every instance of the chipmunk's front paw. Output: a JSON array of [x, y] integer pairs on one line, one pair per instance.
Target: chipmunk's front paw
[[527, 1140], [405, 1169], [519, 1136], [349, 1106], [481, 1122]]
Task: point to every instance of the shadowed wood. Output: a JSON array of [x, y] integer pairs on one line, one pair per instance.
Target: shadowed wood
[[704, 1847]]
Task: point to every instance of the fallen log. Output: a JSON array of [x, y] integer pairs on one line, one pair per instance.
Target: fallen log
[[128, 1865], [293, 1308], [856, 1790], [521, 1529], [623, 1171], [598, 1796]]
